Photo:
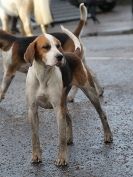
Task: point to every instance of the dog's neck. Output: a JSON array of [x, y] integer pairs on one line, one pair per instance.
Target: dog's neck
[[43, 71]]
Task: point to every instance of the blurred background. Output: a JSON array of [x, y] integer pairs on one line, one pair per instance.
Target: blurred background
[[99, 12]]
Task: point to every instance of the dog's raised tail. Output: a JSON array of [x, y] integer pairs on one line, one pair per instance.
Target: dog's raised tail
[[83, 19], [83, 12], [74, 39]]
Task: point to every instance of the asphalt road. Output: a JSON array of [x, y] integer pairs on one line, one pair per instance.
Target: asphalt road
[[111, 59]]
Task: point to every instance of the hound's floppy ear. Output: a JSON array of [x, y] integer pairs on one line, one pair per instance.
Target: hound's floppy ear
[[30, 52]]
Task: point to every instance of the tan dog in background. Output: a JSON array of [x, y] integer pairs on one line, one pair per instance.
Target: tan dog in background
[[23, 9]]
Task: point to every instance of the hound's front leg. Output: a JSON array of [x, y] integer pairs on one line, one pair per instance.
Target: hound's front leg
[[36, 150], [61, 120]]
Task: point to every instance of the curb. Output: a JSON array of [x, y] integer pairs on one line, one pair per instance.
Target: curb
[[108, 33]]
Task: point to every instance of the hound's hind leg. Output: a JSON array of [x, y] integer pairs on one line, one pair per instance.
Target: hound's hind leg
[[9, 73], [90, 92]]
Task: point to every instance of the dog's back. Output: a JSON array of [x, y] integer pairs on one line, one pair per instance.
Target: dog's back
[[6, 40]]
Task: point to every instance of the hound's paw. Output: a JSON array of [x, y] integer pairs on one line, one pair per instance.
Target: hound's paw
[[101, 92], [1, 96], [70, 99], [70, 141], [108, 138], [36, 158], [61, 161]]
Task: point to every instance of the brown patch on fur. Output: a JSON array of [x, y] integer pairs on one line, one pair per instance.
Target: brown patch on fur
[[5, 45], [15, 56], [35, 48], [79, 76], [11, 70], [69, 45], [6, 40], [79, 28], [80, 73]]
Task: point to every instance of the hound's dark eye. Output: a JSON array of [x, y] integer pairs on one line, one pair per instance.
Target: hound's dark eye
[[58, 46], [47, 47]]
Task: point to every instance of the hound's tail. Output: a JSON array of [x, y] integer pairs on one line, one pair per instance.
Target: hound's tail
[[83, 18], [74, 39]]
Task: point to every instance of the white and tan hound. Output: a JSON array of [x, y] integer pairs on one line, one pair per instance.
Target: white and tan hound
[[49, 80]]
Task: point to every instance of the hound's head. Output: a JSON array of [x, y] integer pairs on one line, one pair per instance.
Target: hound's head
[[46, 49]]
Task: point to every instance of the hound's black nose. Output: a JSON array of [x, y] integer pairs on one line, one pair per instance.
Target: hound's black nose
[[59, 57]]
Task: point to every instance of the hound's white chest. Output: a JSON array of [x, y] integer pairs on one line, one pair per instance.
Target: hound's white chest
[[51, 85]]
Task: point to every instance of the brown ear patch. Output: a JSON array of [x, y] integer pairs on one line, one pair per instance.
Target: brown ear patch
[[35, 49], [30, 53]]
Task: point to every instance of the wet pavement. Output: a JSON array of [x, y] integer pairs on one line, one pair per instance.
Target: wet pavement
[[111, 59], [119, 21]]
